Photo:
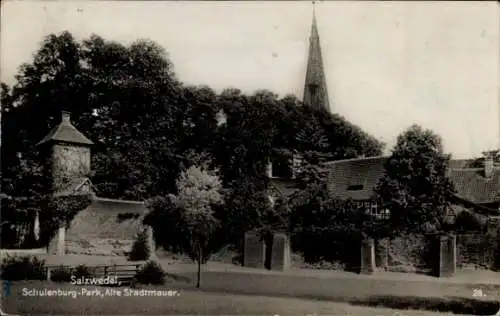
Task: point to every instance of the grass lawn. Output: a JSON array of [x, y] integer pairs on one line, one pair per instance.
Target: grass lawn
[[187, 302], [398, 294]]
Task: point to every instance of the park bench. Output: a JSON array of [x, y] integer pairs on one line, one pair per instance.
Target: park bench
[[125, 273]]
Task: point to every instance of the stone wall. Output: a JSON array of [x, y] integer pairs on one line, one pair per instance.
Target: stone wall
[[476, 250], [107, 227], [410, 253], [68, 163]]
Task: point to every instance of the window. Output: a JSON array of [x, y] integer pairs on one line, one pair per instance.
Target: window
[[281, 167], [377, 212], [355, 187]]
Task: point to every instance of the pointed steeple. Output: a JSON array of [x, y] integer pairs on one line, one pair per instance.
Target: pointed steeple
[[315, 90]]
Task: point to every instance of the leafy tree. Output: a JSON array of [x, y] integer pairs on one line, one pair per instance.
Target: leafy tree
[[415, 186], [147, 126], [198, 191], [124, 98]]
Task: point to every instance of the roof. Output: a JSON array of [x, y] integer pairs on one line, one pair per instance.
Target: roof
[[357, 178], [473, 186], [119, 206], [67, 133], [77, 186]]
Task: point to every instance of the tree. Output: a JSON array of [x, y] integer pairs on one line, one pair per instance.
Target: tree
[[124, 98], [415, 187], [198, 191]]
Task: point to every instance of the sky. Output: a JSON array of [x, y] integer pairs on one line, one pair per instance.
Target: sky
[[388, 64]]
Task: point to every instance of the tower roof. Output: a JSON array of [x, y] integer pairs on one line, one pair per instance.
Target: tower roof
[[315, 89], [65, 132]]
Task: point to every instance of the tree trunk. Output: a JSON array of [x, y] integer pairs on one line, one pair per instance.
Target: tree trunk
[[200, 257]]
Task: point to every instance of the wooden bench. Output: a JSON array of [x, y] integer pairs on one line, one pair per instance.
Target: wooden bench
[[125, 273]]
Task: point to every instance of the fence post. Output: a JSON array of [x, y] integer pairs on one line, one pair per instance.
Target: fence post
[[48, 274], [105, 271]]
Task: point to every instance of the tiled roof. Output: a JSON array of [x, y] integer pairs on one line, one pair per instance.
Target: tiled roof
[[473, 186], [67, 133], [357, 178]]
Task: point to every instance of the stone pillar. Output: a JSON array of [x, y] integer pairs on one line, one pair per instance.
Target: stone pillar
[[367, 256], [253, 254], [447, 256], [382, 253], [281, 255], [57, 245]]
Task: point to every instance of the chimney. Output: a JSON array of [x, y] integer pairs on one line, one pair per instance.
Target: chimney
[[488, 163], [65, 117]]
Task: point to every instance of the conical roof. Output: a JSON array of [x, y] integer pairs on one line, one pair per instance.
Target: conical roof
[[65, 132]]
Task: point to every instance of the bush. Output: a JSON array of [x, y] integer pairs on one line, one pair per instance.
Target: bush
[[467, 221], [150, 273], [25, 268], [60, 274], [325, 265], [140, 248], [82, 271]]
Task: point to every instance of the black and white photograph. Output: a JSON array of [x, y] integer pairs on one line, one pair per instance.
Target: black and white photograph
[[250, 158]]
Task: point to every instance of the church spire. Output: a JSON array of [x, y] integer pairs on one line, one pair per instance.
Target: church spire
[[315, 89]]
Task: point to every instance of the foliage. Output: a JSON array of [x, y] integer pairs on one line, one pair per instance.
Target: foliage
[[23, 268], [61, 274], [82, 271], [147, 127], [61, 211], [467, 221], [198, 191], [326, 229], [415, 186], [140, 248], [168, 224], [150, 273], [53, 212], [126, 216], [323, 228]]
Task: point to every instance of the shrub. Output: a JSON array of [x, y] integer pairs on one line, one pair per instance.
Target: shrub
[[467, 221], [150, 273], [60, 274], [325, 265], [140, 248], [25, 268], [82, 271]]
